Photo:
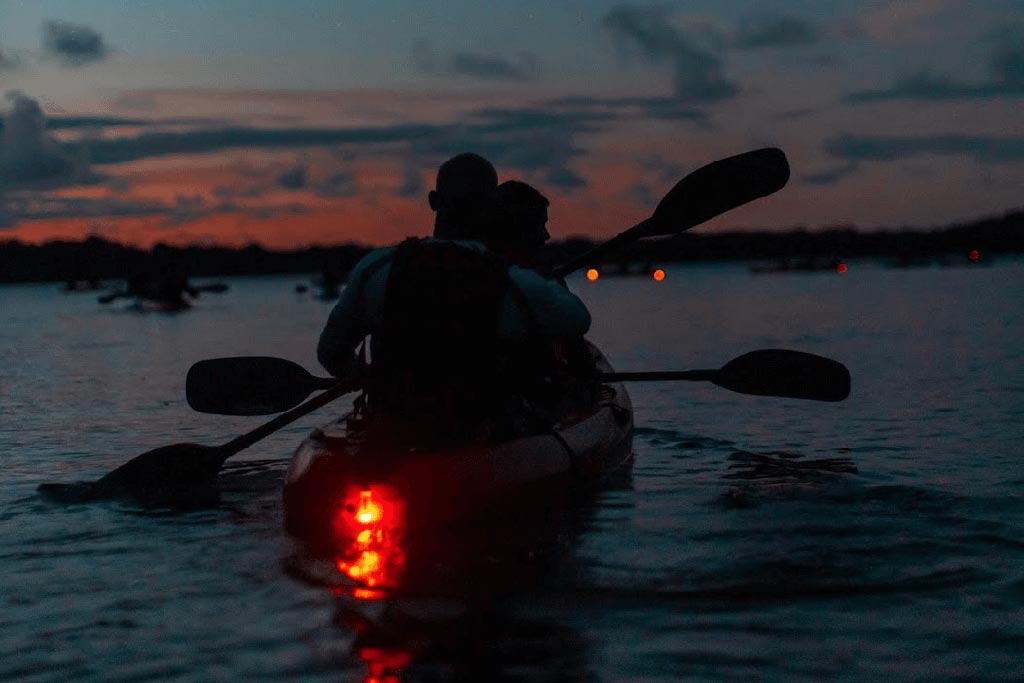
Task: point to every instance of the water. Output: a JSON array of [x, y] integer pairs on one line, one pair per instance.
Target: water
[[756, 538]]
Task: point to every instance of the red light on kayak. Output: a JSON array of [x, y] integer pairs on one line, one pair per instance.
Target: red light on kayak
[[658, 275], [592, 274], [841, 268], [974, 255], [370, 533], [369, 511]]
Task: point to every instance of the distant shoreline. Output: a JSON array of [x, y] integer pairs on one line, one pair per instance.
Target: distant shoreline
[[100, 259]]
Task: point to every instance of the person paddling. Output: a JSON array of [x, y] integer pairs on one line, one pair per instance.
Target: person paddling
[[442, 313], [556, 374]]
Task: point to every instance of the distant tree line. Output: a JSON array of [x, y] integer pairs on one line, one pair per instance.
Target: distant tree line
[[97, 258]]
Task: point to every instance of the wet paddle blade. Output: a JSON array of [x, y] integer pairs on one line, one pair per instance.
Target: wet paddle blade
[[789, 374], [249, 385], [718, 187], [176, 466]]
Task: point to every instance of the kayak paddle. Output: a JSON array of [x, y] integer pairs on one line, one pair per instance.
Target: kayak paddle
[[703, 194], [249, 385], [261, 385], [184, 465], [707, 192], [768, 372]]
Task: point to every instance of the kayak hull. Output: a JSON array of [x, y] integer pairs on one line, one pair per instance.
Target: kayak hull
[[342, 486]]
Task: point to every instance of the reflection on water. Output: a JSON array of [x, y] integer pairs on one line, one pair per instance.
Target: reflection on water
[[875, 539]]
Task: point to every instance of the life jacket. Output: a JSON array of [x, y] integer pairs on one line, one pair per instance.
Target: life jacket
[[436, 368]]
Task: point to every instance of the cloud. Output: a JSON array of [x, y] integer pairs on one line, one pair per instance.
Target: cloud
[[28, 155], [293, 179], [901, 21], [697, 71], [925, 86], [1006, 68], [338, 184], [631, 108], [493, 67], [830, 176], [981, 148], [199, 141], [477, 65], [73, 44], [774, 30], [1007, 62]]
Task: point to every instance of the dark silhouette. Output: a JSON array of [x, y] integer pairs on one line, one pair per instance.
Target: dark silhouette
[[463, 195], [517, 228], [161, 288], [440, 312]]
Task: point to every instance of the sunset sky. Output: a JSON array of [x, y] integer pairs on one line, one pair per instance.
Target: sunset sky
[[319, 122]]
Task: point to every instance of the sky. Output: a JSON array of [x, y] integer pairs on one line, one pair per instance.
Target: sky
[[320, 122]]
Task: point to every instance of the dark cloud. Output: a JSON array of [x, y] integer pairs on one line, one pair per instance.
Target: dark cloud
[[774, 30], [984, 149], [28, 155], [120, 150], [478, 65], [293, 178], [697, 71], [631, 108], [495, 68], [43, 207], [830, 176], [338, 184], [73, 44], [1007, 64], [1006, 68], [929, 87]]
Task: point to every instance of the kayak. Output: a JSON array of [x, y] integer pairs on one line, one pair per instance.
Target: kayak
[[141, 305], [366, 502]]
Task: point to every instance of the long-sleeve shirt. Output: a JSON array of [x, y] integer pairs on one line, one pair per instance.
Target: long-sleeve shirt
[[533, 306]]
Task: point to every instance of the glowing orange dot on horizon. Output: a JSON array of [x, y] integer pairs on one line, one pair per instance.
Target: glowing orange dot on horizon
[[659, 275], [974, 255], [841, 268], [592, 274]]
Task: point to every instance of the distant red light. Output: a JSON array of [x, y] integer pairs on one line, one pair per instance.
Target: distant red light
[[593, 274], [974, 255], [658, 275], [841, 268]]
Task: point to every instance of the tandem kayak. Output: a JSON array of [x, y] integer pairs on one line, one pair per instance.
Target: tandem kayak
[[361, 499]]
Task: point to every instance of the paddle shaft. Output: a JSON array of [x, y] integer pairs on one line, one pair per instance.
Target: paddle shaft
[[601, 250], [660, 376], [243, 441]]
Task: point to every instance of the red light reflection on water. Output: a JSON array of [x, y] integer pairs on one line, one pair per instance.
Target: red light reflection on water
[[384, 664], [369, 527]]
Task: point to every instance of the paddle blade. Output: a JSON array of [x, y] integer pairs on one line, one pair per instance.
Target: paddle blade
[[790, 374], [168, 467], [719, 187], [249, 385]]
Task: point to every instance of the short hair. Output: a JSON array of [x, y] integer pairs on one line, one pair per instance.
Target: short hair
[[515, 221], [466, 173]]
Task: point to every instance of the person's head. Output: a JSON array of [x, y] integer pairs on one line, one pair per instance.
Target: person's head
[[463, 196], [518, 227]]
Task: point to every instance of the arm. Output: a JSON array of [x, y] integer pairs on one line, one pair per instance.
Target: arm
[[349, 321], [553, 311]]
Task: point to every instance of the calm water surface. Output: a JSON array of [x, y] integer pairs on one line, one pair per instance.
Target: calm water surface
[[756, 538]]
